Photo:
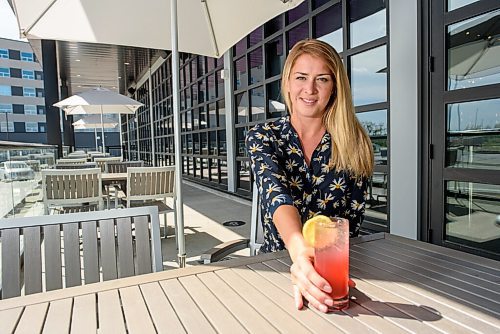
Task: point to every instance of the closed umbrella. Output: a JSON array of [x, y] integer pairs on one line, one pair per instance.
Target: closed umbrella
[[98, 101], [203, 27]]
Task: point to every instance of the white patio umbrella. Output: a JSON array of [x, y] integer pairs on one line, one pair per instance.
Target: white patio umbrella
[[94, 122], [203, 27], [98, 101]]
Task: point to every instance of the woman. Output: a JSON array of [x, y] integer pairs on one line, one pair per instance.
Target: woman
[[315, 161]]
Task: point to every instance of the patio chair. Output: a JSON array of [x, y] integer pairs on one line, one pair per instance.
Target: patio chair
[[71, 161], [101, 162], [51, 252], [72, 190], [76, 166], [151, 186], [222, 250], [121, 166]]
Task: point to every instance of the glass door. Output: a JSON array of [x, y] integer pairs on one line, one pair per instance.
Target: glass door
[[464, 126]]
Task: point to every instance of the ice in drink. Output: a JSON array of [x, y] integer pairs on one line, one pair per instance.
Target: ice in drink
[[331, 258]]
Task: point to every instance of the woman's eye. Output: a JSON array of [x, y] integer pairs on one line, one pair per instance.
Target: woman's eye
[[301, 78], [323, 79]]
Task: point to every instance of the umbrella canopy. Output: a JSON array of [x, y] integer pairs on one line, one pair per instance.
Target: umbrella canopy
[[208, 27], [203, 27], [98, 101], [94, 121]]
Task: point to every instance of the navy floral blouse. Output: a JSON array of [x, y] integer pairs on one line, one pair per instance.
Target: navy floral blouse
[[283, 177]]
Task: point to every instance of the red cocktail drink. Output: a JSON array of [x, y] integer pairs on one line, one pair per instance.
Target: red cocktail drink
[[331, 258]]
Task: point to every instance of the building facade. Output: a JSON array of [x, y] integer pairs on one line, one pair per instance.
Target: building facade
[[22, 103]]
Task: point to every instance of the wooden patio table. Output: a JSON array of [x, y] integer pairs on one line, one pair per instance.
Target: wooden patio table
[[113, 179], [402, 286]]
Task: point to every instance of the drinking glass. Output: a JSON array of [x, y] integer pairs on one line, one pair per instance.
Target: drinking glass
[[331, 258]]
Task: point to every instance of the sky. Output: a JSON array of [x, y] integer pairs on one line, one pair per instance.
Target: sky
[[8, 23]]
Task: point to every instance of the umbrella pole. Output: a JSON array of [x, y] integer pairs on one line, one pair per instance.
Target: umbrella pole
[[102, 133], [179, 230], [95, 136]]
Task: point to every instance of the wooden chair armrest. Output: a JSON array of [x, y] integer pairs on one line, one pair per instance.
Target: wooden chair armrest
[[224, 249]]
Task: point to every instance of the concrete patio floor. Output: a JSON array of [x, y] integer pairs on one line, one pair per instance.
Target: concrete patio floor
[[205, 211]]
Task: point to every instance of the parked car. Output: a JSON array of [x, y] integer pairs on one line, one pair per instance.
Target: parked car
[[16, 171]]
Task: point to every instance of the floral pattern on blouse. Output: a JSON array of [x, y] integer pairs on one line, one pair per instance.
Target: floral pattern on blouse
[[284, 178]]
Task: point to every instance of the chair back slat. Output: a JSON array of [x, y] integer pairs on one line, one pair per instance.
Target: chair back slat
[[125, 251], [146, 183], [72, 267], [71, 161], [32, 260], [52, 248], [76, 166], [121, 167], [101, 162], [11, 275], [90, 252], [108, 249], [143, 251]]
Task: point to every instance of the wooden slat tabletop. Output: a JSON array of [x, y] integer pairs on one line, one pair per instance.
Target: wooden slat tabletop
[[403, 286]]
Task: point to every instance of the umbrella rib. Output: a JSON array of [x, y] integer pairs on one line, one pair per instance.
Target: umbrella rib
[[209, 19], [27, 30]]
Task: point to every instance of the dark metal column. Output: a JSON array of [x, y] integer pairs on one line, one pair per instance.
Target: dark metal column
[[49, 59], [68, 130]]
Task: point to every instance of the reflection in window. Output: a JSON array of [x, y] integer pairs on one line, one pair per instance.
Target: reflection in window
[[241, 101], [471, 213], [240, 142], [6, 126], [5, 90], [473, 134], [274, 57], [28, 91], [26, 56], [255, 36], [257, 104], [255, 66], [473, 52], [375, 123], [369, 76], [221, 136], [275, 105], [28, 74], [6, 108], [244, 178], [272, 26], [4, 53], [297, 13], [31, 126], [328, 26], [221, 109], [454, 4], [376, 203], [4, 72], [30, 110], [367, 21], [240, 73], [296, 34]]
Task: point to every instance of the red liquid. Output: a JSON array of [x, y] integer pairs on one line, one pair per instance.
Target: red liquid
[[332, 263]]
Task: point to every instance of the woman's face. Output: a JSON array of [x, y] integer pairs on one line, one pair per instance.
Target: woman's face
[[310, 86]]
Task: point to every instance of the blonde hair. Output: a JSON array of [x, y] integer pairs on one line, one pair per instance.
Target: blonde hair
[[351, 146]]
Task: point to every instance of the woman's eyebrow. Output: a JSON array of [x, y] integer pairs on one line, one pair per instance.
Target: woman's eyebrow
[[318, 75]]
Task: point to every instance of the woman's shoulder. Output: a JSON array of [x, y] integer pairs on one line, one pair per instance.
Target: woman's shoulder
[[269, 129]]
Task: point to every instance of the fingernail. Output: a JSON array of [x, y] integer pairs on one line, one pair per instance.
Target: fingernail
[[329, 302], [323, 308], [327, 288]]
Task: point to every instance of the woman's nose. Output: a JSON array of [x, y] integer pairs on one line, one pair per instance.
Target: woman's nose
[[310, 86]]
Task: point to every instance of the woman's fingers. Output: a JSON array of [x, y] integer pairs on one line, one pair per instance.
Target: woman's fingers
[[299, 302], [351, 283]]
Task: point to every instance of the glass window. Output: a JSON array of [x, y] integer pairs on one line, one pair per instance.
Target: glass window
[[5, 90], [212, 139], [473, 52], [26, 56], [211, 87], [28, 74], [454, 4], [274, 57], [296, 34], [472, 134], [375, 123], [257, 104], [297, 13], [6, 108], [4, 128], [244, 172], [221, 137], [241, 108], [319, 3], [328, 26], [240, 73], [274, 25], [240, 142], [369, 76], [42, 127], [28, 91], [256, 66], [31, 127], [4, 53], [471, 212], [221, 111], [240, 47], [212, 115], [367, 20], [275, 105], [223, 171], [255, 36], [30, 110], [4, 72]]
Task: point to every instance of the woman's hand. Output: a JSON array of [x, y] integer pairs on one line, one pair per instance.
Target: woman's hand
[[308, 283]]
